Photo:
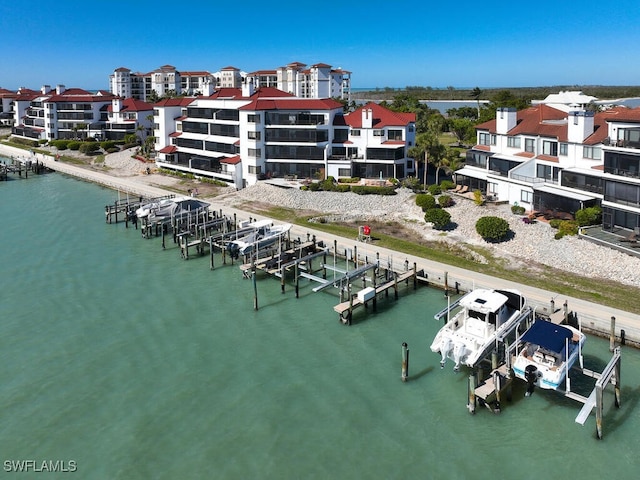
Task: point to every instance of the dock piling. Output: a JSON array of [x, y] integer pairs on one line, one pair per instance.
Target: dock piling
[[405, 361]]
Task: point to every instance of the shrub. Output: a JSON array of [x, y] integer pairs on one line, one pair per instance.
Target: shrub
[[60, 144], [554, 222], [588, 216], [566, 227], [373, 190], [447, 185], [112, 150], [425, 201], [445, 201], [517, 209], [328, 185], [492, 229], [412, 183], [314, 186], [73, 145], [342, 188], [477, 197], [89, 147], [438, 217], [107, 144], [434, 189], [350, 180]]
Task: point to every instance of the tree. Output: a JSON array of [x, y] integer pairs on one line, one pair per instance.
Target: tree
[[475, 94], [462, 128]]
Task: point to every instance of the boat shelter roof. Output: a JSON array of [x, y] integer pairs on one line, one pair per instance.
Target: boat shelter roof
[[548, 335], [484, 301]]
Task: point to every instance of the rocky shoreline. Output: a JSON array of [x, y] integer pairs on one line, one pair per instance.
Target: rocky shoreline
[[531, 243]]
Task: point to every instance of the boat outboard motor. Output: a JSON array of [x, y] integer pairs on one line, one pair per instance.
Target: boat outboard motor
[[531, 375]]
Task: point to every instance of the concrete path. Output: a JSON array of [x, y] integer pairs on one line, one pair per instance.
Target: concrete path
[[593, 316]]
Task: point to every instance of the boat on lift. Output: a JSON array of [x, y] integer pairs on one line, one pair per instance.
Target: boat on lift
[[261, 234], [547, 353], [479, 319]]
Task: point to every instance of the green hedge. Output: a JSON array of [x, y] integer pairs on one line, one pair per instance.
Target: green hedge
[[426, 201], [589, 216], [372, 190], [438, 217], [434, 189], [492, 229], [445, 201]]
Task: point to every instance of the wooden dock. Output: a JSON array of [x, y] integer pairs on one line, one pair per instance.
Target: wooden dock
[[345, 309]]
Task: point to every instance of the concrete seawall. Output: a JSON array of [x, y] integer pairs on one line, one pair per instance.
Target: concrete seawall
[[595, 318]]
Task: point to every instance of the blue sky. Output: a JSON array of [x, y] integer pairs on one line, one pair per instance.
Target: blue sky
[[383, 43]]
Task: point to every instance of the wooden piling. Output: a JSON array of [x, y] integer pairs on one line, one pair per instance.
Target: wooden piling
[[405, 362], [612, 334]]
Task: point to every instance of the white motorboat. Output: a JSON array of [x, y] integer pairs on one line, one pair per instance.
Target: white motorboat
[[178, 209], [547, 354], [151, 207], [479, 318], [261, 234]]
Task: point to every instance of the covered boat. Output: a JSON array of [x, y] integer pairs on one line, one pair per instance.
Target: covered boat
[[480, 317], [547, 354]]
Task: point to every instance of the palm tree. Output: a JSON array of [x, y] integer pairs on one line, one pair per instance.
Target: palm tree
[[476, 93]]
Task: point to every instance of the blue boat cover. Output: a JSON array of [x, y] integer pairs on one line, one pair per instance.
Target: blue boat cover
[[548, 335]]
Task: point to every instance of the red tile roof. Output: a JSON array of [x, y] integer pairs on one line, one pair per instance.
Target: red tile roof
[[231, 160], [382, 117], [168, 149], [292, 103], [545, 121], [548, 158], [175, 134], [133, 105], [393, 142], [175, 102]]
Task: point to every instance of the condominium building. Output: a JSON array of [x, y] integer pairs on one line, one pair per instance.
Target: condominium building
[[60, 113], [158, 83], [7, 98], [245, 135], [545, 158], [75, 113], [317, 81]]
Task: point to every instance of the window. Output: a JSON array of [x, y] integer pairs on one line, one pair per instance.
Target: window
[[526, 197], [254, 152], [394, 135], [253, 118], [564, 149], [378, 133], [253, 135], [530, 145], [513, 142], [492, 187], [344, 172], [550, 148], [486, 139], [355, 133], [255, 169], [591, 152]]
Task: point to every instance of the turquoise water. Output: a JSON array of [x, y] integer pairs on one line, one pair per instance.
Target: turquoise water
[[132, 363]]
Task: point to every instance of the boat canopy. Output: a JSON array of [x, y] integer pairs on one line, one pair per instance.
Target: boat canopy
[[548, 335]]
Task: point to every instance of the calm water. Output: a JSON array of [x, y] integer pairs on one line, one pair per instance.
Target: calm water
[[133, 363]]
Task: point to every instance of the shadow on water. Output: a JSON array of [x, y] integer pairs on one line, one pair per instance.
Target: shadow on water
[[614, 418], [420, 374]]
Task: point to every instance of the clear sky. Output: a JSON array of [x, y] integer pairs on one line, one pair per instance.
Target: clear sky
[[500, 43]]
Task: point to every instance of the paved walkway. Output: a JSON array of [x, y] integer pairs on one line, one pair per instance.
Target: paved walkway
[[594, 316]]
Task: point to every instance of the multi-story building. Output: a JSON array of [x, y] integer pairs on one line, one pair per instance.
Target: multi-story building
[[125, 117], [543, 158], [244, 135], [165, 80], [7, 98], [75, 113], [60, 113], [621, 171], [318, 81]]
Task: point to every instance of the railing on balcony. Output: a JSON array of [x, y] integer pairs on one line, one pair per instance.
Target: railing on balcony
[[528, 179]]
